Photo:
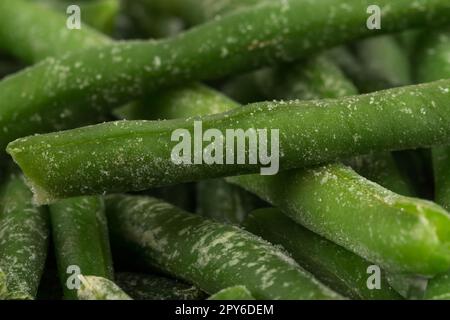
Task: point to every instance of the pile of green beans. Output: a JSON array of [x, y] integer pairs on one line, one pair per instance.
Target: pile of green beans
[[93, 206]]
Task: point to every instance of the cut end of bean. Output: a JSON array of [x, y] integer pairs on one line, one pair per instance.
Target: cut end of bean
[[41, 196], [98, 288]]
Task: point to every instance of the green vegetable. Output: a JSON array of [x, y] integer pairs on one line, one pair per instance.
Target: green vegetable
[[152, 287], [179, 102], [398, 233], [434, 64], [196, 11], [23, 240], [98, 288], [99, 14], [224, 202], [49, 37], [336, 267], [136, 155], [438, 287], [211, 255], [233, 293], [315, 78], [143, 22], [215, 198], [82, 86], [80, 236], [385, 64], [409, 286], [382, 169]]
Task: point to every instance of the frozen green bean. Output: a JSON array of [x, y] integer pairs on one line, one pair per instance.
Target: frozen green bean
[[215, 198], [382, 169], [331, 264], [136, 155], [211, 255], [23, 240], [398, 233], [98, 288], [152, 287], [434, 64], [101, 15], [80, 237], [385, 63], [93, 81], [438, 287], [49, 37], [233, 293]]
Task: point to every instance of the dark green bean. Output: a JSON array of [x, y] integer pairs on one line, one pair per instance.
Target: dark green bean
[[211, 255], [23, 240]]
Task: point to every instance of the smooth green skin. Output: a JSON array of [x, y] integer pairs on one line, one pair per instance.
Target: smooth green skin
[[398, 233], [434, 64], [24, 232], [211, 255], [75, 89], [334, 266], [152, 287], [135, 155], [233, 293], [80, 236], [98, 288], [49, 36]]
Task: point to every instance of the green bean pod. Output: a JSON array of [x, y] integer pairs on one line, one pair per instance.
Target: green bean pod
[[211, 255], [152, 287], [80, 236], [99, 14], [197, 11], [59, 93], [398, 233], [136, 155], [98, 288], [434, 64], [320, 78], [233, 293], [334, 266], [23, 240], [48, 35], [438, 288], [385, 63], [382, 169], [180, 102]]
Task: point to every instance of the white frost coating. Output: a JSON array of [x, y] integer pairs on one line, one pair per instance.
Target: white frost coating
[[98, 288], [209, 254]]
